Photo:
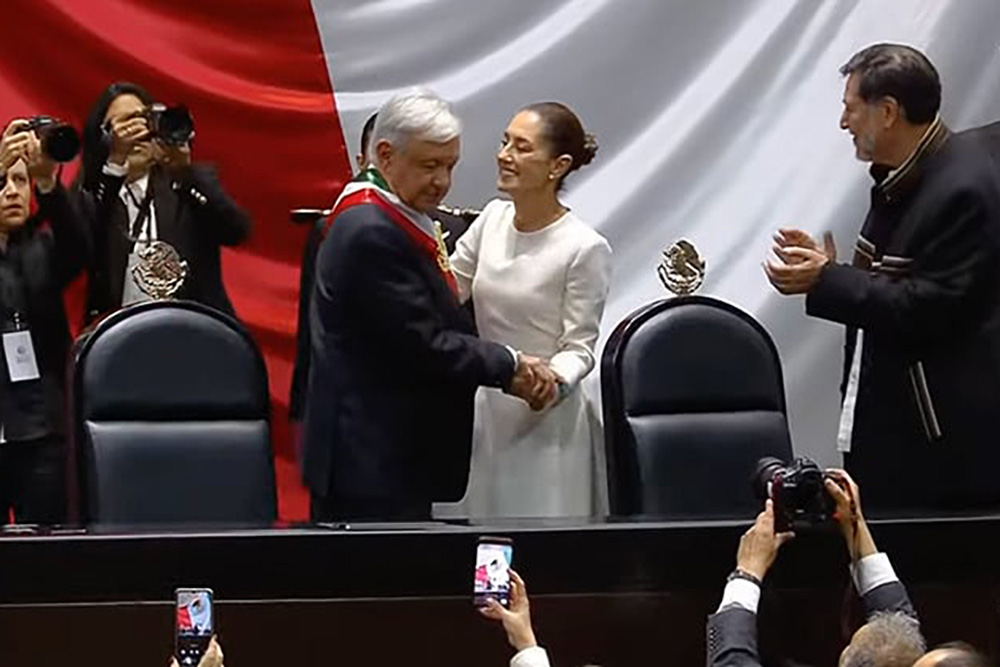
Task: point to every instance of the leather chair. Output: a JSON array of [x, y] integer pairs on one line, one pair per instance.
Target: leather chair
[[172, 420], [693, 397]]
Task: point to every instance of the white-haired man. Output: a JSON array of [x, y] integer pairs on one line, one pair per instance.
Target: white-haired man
[[393, 351]]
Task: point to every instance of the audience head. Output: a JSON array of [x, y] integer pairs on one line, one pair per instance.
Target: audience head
[[543, 144], [364, 150], [889, 639], [956, 654], [415, 145], [891, 91], [119, 100]]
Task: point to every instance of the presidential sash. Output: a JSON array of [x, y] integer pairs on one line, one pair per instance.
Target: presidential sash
[[369, 187]]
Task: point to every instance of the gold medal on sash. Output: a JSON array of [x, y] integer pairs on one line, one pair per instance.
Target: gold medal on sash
[[442, 250]]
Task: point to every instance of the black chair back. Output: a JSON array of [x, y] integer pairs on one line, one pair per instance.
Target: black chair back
[[172, 420], [693, 397]]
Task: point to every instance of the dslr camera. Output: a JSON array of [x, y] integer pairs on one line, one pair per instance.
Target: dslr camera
[[171, 125], [60, 141], [800, 498]]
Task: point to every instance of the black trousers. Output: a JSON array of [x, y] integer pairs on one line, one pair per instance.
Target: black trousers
[[339, 508], [33, 480]]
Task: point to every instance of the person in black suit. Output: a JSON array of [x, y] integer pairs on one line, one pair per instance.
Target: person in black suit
[[453, 225], [920, 300], [136, 189], [37, 261], [395, 361], [890, 637]]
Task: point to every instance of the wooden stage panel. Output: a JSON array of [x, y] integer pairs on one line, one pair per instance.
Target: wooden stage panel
[[619, 594]]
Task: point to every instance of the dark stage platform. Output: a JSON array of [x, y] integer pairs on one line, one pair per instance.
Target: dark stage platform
[[609, 593]]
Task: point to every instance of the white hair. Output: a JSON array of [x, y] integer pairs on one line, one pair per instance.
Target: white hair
[[891, 639], [415, 114]]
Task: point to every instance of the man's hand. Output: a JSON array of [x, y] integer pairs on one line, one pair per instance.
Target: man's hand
[[516, 620], [175, 159], [126, 132], [15, 144], [759, 545], [212, 658], [853, 527], [798, 270], [534, 382], [789, 238]]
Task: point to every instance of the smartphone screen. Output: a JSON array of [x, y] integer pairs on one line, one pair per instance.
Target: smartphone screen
[[195, 624], [494, 557]]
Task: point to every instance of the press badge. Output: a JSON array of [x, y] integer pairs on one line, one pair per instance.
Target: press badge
[[20, 353]]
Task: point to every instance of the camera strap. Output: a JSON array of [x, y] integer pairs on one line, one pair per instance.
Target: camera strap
[[144, 208]]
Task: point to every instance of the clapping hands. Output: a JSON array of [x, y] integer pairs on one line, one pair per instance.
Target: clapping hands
[[535, 382], [801, 259]]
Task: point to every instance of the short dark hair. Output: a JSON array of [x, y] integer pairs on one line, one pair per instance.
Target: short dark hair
[[366, 133], [564, 135], [900, 72], [961, 654]]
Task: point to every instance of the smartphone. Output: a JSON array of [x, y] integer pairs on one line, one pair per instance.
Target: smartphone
[[494, 558], [195, 624]]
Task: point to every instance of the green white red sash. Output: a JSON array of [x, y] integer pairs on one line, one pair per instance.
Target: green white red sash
[[369, 187]]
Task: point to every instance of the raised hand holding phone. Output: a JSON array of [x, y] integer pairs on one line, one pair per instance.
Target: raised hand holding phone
[[195, 625]]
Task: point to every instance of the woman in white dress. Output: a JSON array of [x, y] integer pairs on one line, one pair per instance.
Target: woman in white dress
[[538, 276]]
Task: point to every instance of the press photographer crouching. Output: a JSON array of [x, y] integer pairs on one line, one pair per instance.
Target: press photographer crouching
[[39, 255], [800, 494], [157, 219]]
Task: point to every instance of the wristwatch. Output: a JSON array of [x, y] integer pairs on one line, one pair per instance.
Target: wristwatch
[[743, 574]]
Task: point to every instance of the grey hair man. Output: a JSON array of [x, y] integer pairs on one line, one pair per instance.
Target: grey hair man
[[920, 298], [392, 348]]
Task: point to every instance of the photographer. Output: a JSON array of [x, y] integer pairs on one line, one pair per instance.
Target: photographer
[[891, 637], [36, 262], [141, 192]]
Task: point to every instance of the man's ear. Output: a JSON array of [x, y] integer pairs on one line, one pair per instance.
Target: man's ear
[[383, 151]]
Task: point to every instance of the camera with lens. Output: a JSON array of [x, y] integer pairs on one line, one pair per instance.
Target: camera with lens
[[797, 492], [60, 141], [171, 125]]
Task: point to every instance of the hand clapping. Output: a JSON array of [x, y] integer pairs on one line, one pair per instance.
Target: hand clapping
[[801, 260]]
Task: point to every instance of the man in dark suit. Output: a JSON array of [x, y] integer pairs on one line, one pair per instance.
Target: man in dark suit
[[890, 637], [137, 190], [921, 299], [454, 223], [395, 361]]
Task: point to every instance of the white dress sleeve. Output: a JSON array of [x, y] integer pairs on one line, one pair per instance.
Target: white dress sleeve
[[587, 283], [465, 259]]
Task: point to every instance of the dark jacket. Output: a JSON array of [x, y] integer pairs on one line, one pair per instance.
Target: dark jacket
[[925, 288], [39, 262], [194, 214], [453, 226], [395, 367], [732, 632]]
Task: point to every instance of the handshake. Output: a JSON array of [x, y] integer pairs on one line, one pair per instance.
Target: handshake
[[535, 382]]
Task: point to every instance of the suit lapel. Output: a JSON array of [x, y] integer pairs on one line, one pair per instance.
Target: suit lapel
[[118, 250]]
